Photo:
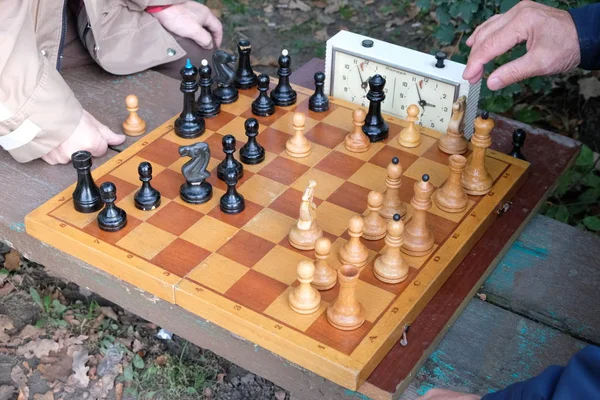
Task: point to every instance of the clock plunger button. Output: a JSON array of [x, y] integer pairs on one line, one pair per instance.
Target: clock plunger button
[[440, 56], [367, 43]]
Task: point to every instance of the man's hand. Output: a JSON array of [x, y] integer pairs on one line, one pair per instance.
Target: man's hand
[[89, 135], [442, 394], [552, 44], [194, 21]]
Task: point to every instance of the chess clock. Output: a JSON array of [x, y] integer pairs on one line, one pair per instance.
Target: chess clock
[[429, 81]]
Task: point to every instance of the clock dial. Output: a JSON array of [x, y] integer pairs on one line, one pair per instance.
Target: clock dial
[[403, 88]]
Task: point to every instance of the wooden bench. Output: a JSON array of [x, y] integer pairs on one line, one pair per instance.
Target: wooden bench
[[535, 314]]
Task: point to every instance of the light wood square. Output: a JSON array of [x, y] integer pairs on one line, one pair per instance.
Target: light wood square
[[209, 233], [206, 207], [299, 99], [218, 272], [280, 264], [340, 117], [326, 183], [284, 124], [366, 155], [146, 240], [128, 204], [67, 213], [128, 171], [333, 259], [317, 153], [332, 218], [176, 166], [257, 167], [438, 173], [426, 143], [373, 299], [280, 310], [261, 190], [414, 261], [172, 136], [370, 176], [454, 217], [238, 107], [494, 167], [236, 128], [270, 225]]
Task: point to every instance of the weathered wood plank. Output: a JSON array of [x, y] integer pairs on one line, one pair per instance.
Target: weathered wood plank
[[489, 348], [551, 275]]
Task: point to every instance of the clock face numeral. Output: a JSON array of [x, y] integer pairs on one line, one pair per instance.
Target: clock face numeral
[[351, 83]]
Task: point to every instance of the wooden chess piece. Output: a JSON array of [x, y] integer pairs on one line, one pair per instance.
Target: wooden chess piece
[[410, 136], [354, 251], [305, 299], [451, 197], [298, 146], [357, 141], [391, 267], [454, 142], [86, 196], [112, 218], [325, 276], [305, 232], [391, 199], [346, 312], [418, 238], [375, 225], [134, 125], [476, 180]]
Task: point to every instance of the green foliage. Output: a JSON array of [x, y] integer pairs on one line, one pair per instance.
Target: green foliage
[[52, 310]]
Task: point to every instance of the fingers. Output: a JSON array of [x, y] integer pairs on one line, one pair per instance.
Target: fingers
[[481, 28], [111, 138], [512, 72], [202, 37], [213, 24]]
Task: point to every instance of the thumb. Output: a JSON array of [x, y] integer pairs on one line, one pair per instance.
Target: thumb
[[513, 72]]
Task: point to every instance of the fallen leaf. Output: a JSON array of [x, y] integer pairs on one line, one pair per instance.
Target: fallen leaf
[[47, 396], [268, 9], [137, 346], [109, 313], [12, 260], [6, 289], [589, 87], [18, 377], [320, 4], [321, 35], [333, 6], [208, 392], [80, 358], [119, 391], [221, 377], [17, 280], [161, 360], [71, 320], [6, 392], [280, 395], [56, 368], [482, 296], [299, 5], [38, 348], [6, 324], [23, 393]]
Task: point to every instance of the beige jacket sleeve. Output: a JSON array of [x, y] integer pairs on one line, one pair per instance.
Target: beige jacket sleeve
[[38, 111]]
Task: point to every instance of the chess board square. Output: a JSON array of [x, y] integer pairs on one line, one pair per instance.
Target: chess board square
[[111, 237], [326, 135], [319, 116], [168, 183], [394, 130], [284, 171], [246, 248], [146, 241], [440, 226], [206, 207], [332, 218], [350, 196], [284, 124], [438, 173], [384, 157], [128, 171], [214, 124], [373, 299], [371, 177], [261, 190], [173, 137], [176, 166], [280, 310], [426, 142], [265, 121], [237, 220], [270, 225], [435, 154], [317, 153], [417, 262], [289, 203], [209, 233], [67, 213], [162, 152], [273, 140], [341, 117], [495, 167], [280, 264], [406, 191], [123, 188], [454, 217], [339, 164], [257, 167], [326, 183], [239, 106], [364, 156], [255, 291], [344, 341], [215, 142], [175, 218], [217, 272], [300, 98], [285, 242], [214, 180], [128, 205], [180, 257], [236, 127], [367, 275]]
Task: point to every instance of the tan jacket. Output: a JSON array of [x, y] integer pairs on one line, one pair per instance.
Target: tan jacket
[[38, 111]]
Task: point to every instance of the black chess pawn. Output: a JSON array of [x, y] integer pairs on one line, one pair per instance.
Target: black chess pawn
[[207, 104], [229, 163], [263, 106], [111, 218], [245, 78], [86, 196], [319, 102], [195, 190], [189, 124], [252, 152], [232, 202], [375, 126], [519, 136], [283, 95], [225, 92], [146, 198]]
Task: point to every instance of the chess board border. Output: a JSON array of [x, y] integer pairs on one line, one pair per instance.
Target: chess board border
[[347, 370]]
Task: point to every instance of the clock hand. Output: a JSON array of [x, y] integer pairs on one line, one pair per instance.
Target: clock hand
[[428, 104], [422, 103], [362, 82]]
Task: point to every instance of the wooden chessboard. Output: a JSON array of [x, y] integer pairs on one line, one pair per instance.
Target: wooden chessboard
[[237, 270]]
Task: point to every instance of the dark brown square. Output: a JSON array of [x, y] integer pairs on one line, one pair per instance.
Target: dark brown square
[[162, 152], [319, 116], [214, 180], [384, 157], [216, 123], [350, 196], [124, 188], [326, 135], [288, 203], [180, 257], [111, 237], [237, 220], [255, 291], [340, 165], [214, 141], [246, 248], [175, 218], [435, 154], [265, 121], [168, 183], [393, 132], [273, 140], [441, 227], [345, 341], [367, 275], [407, 189], [283, 170]]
